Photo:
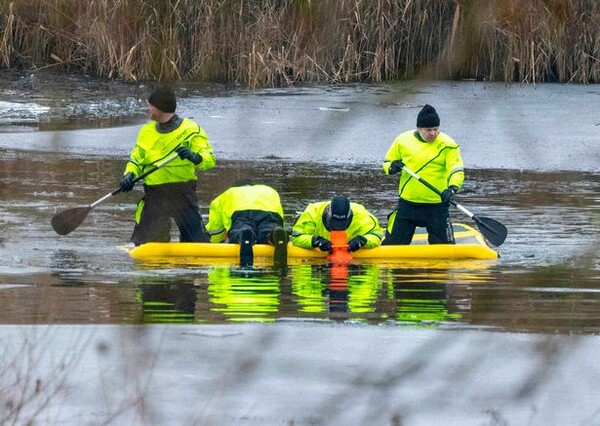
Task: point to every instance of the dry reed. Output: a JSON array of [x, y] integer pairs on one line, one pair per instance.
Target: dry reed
[[283, 42]]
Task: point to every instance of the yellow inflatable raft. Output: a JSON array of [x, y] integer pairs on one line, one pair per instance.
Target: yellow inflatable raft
[[470, 244]]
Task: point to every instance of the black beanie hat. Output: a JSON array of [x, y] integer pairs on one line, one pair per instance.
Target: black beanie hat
[[428, 117], [163, 99]]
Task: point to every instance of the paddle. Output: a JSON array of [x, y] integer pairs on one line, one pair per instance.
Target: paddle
[[67, 221], [491, 229]]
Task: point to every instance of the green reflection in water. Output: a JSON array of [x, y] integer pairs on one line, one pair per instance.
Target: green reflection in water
[[416, 308], [351, 289], [425, 296], [420, 295], [248, 296], [308, 289], [363, 289]]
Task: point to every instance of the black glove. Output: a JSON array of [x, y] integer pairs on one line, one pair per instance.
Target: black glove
[[356, 243], [322, 243], [395, 167], [185, 154], [127, 182], [448, 193]]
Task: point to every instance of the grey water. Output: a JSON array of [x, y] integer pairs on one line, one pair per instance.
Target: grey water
[[532, 160]]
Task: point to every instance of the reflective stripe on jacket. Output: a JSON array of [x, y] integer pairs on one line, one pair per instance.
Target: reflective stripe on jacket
[[152, 147], [438, 162], [310, 223], [240, 198]]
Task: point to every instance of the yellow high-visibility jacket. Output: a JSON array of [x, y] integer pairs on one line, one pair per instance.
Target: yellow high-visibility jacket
[[240, 198], [438, 162], [310, 223], [152, 147]]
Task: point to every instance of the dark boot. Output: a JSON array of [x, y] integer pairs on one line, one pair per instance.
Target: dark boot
[[280, 241], [246, 251]]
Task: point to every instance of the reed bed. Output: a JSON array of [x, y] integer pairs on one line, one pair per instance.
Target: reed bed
[[284, 42]]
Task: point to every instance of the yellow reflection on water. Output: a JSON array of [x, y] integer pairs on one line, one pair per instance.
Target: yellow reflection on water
[[418, 293], [433, 293], [336, 289], [241, 295]]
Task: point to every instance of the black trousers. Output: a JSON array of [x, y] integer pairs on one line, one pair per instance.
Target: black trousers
[[166, 201], [434, 217], [260, 223]]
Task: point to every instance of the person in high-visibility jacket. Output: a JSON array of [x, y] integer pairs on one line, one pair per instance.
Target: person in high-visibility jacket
[[436, 158], [249, 213], [245, 205], [169, 192], [314, 225]]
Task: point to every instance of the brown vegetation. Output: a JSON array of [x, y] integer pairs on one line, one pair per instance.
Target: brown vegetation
[[282, 42]]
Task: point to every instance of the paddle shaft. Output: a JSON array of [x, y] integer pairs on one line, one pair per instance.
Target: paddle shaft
[[137, 179], [437, 191], [68, 220]]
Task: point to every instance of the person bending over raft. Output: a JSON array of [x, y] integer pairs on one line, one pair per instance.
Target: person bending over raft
[[247, 214], [315, 223]]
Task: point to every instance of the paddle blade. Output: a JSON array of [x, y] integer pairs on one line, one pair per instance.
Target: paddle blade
[[491, 229], [65, 222]]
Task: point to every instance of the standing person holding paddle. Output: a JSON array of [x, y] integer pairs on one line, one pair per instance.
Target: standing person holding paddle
[[169, 192], [436, 158]]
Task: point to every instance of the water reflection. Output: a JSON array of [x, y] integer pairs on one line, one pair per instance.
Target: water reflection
[[364, 293], [341, 292], [419, 299], [171, 302], [357, 292], [244, 294]]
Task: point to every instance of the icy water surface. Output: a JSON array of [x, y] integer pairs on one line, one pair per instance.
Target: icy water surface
[[308, 143], [545, 280]]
